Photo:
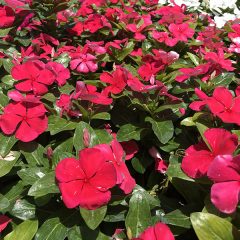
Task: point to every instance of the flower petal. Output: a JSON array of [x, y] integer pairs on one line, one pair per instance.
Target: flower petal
[[225, 196]]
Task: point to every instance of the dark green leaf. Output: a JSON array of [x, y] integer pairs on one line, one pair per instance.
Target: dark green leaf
[[52, 229], [128, 132], [23, 209], [7, 163], [93, 217]]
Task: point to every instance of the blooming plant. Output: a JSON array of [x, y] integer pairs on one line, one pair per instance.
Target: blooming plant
[[119, 120]]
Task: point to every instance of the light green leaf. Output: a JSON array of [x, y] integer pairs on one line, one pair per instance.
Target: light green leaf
[[24, 231], [23, 209], [210, 227], [7, 163]]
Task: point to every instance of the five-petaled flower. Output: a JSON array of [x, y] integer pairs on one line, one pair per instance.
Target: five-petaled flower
[[26, 118], [86, 182]]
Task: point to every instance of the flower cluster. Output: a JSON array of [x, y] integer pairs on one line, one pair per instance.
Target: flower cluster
[[119, 119]]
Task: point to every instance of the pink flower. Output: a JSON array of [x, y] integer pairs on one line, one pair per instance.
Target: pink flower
[[137, 30], [225, 192], [60, 72], [198, 157], [7, 17], [86, 182], [114, 154], [4, 221], [95, 22], [32, 76], [26, 119], [117, 80], [84, 63], [181, 31], [159, 231], [160, 164]]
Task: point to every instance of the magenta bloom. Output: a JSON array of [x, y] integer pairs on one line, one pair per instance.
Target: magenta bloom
[[198, 157], [84, 63], [86, 182], [7, 17], [115, 154], [160, 231], [32, 76], [26, 119], [60, 72], [117, 80], [225, 172], [181, 31]]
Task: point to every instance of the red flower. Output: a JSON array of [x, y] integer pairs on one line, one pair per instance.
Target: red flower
[[24, 118], [225, 192], [32, 76], [130, 148], [95, 22], [7, 17], [60, 72], [198, 157], [181, 31], [89, 93], [84, 63], [221, 104], [4, 221], [159, 231], [115, 153], [86, 182], [118, 80]]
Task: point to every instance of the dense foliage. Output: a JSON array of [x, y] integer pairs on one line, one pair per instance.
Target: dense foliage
[[119, 120]]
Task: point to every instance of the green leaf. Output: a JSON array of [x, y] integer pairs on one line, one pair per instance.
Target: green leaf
[[8, 80], [120, 55], [30, 175], [44, 186], [57, 125], [210, 227], [139, 215], [7, 64], [103, 136], [6, 144], [4, 31], [23, 209], [93, 217], [52, 229], [224, 79], [78, 139], [163, 130], [24, 231], [128, 132], [193, 58], [4, 203], [7, 163], [34, 154], [103, 116]]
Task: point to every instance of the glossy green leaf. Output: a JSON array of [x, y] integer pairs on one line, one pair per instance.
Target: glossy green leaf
[[7, 163], [44, 186], [210, 227], [57, 125], [139, 215], [24, 231], [93, 217], [52, 229], [24, 210], [6, 144]]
